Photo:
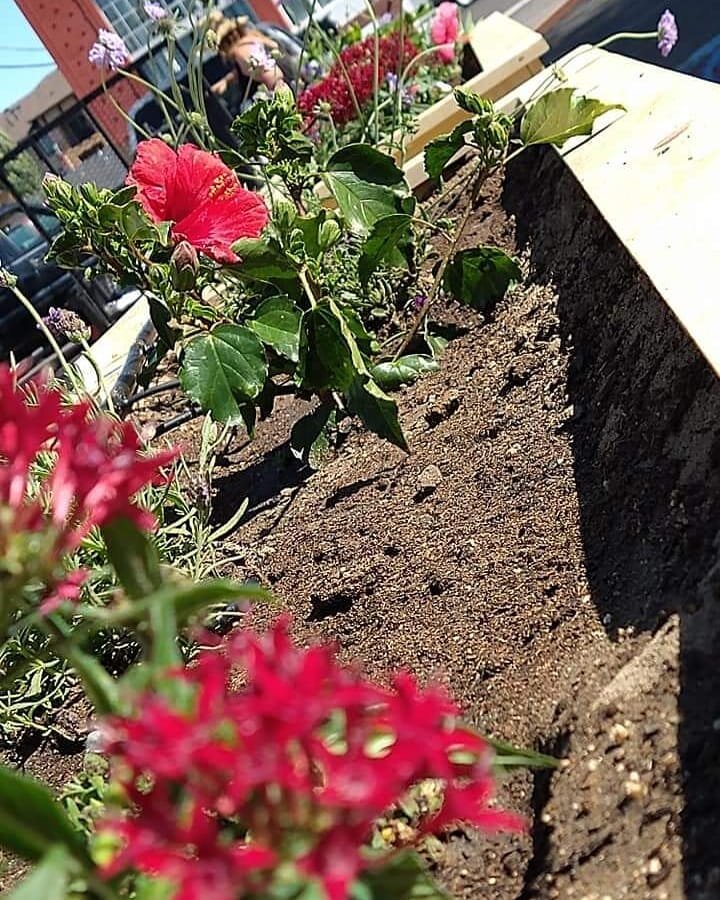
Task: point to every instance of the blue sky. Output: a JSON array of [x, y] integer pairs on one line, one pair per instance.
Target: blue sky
[[17, 33]]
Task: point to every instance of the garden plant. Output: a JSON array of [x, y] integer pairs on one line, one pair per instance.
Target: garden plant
[[294, 260]]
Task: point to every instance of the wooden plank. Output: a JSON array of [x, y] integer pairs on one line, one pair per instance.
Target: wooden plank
[[654, 175], [508, 52], [110, 350]]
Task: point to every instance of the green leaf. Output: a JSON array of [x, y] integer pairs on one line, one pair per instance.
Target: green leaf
[[325, 360], [403, 877], [437, 344], [32, 822], [134, 557], [146, 888], [277, 324], [161, 317], [560, 115], [441, 150], [223, 367], [367, 164], [382, 245], [100, 687], [366, 185], [49, 880], [509, 757], [308, 438], [480, 276], [187, 599], [263, 260], [349, 330], [377, 411], [403, 371]]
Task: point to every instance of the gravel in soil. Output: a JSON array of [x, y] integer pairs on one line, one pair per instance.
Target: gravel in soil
[[473, 560]]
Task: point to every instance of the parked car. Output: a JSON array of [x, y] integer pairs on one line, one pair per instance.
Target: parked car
[[23, 248]]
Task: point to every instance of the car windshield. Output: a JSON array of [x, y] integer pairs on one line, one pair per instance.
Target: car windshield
[[20, 236]]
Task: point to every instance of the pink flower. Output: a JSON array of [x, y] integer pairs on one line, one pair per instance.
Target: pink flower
[[444, 31], [284, 770], [199, 194], [97, 470], [64, 591]]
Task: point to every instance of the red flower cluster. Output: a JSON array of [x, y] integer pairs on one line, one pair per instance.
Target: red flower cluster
[[199, 194], [292, 769], [97, 470], [359, 61]]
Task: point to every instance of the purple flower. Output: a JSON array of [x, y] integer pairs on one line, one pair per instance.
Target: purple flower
[[419, 301], [155, 11], [260, 59], [64, 323], [385, 19], [667, 33], [108, 51], [392, 81]]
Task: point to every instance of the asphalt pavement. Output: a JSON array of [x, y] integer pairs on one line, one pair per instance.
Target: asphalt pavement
[[567, 23]]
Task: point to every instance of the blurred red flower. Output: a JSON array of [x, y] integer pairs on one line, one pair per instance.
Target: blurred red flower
[[358, 61], [199, 194], [292, 769]]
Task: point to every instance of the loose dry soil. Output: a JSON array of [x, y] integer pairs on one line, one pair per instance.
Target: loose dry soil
[[547, 549]]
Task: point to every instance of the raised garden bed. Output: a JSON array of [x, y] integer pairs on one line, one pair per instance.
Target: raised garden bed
[[546, 549]]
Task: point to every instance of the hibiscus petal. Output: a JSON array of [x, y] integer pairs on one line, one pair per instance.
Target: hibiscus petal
[[200, 176], [153, 174], [218, 222]]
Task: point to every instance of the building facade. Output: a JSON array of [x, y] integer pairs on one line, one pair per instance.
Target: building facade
[[68, 28]]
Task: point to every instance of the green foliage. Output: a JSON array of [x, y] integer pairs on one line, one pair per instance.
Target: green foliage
[[441, 150], [384, 244], [32, 822], [561, 114], [404, 370], [402, 878], [223, 369], [366, 185], [23, 172], [480, 276], [277, 324], [50, 879]]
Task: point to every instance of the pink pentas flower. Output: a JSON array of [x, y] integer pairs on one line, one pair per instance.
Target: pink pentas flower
[[667, 33], [444, 31], [199, 195], [237, 782], [97, 469]]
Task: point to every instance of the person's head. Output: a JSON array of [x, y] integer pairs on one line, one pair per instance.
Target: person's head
[[229, 32]]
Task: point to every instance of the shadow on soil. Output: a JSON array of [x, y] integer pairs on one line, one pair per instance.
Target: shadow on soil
[[270, 481], [647, 464]]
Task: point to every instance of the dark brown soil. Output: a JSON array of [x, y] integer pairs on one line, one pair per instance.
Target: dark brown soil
[[547, 549]]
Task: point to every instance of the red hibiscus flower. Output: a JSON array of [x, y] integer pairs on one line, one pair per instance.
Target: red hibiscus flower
[[199, 194]]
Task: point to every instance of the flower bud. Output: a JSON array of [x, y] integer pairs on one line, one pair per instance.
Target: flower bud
[[64, 323], [184, 265], [7, 279], [328, 234]]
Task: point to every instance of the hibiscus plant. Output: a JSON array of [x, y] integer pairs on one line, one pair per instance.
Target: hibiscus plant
[[256, 770], [318, 282]]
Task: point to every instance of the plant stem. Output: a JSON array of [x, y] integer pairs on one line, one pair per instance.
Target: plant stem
[[122, 112], [50, 338], [308, 288], [303, 49], [477, 178], [627, 36], [376, 67]]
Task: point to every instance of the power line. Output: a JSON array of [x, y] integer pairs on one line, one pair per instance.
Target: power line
[[44, 65], [24, 49]]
